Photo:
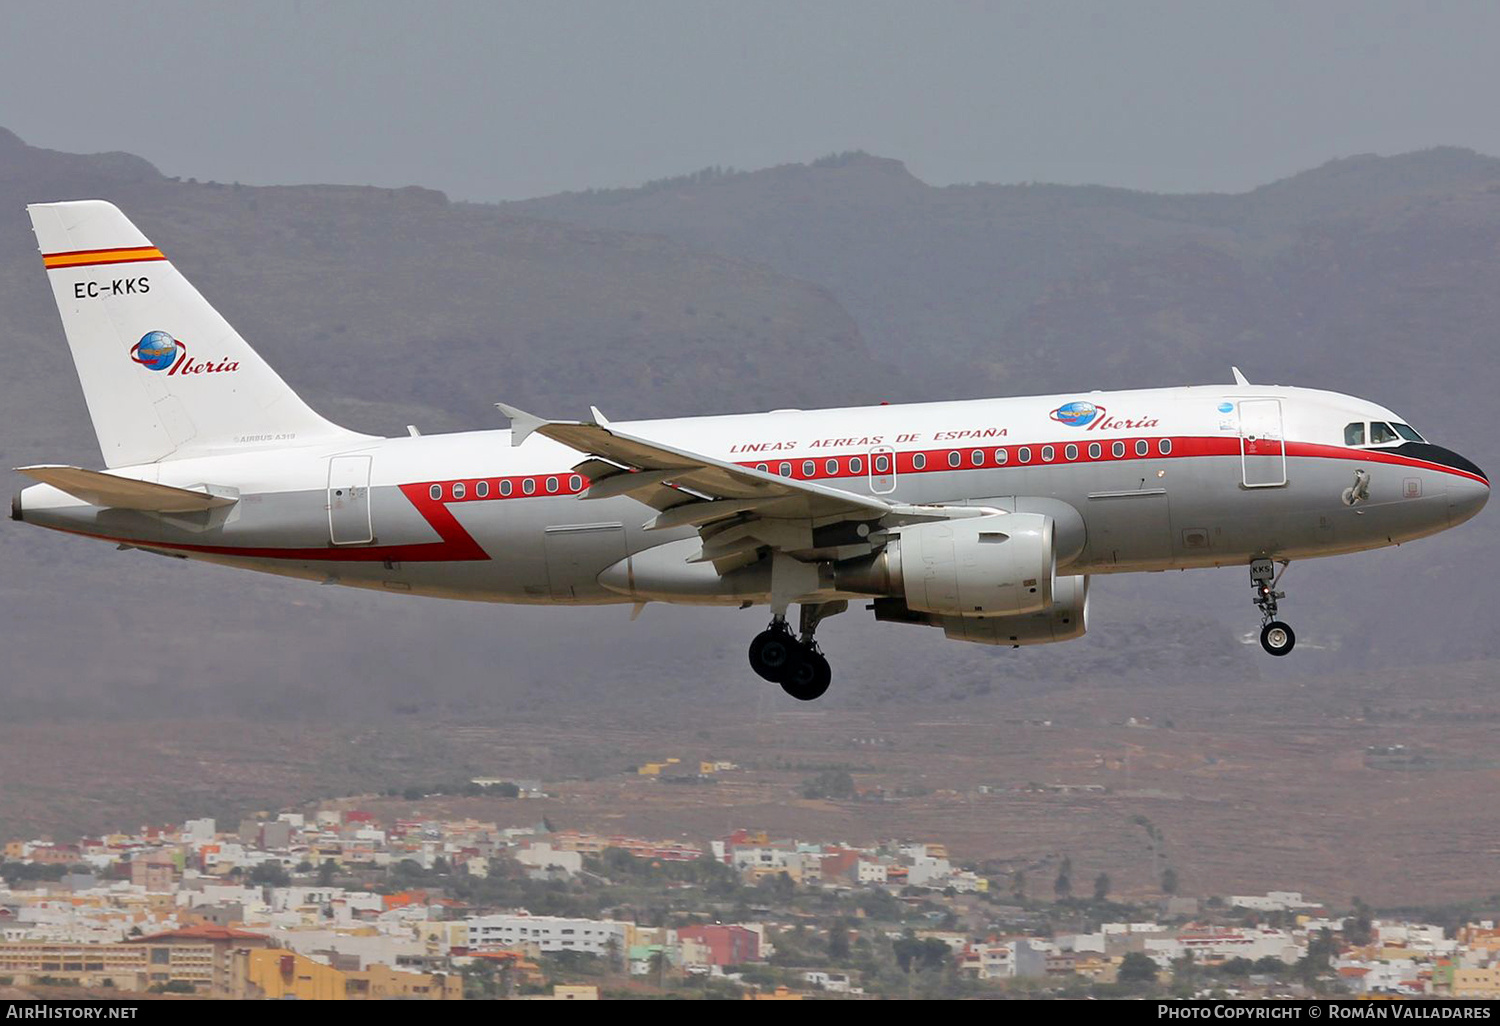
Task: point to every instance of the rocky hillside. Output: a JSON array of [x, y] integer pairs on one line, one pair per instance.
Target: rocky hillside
[[840, 281]]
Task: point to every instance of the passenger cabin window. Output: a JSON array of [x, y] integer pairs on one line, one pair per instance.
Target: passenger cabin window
[[832, 466], [506, 487], [918, 461], [1354, 434], [1118, 449], [1071, 452], [482, 489], [855, 464], [882, 464], [1095, 451], [1024, 454], [954, 459], [809, 468], [458, 490], [785, 470], [1001, 456], [1381, 433]]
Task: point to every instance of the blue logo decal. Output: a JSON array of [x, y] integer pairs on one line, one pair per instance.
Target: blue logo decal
[[1077, 414], [156, 351], [1226, 407]]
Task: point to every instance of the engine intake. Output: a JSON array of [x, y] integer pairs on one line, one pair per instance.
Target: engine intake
[[981, 567]]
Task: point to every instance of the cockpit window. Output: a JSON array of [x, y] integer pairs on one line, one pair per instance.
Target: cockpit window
[[1380, 433], [1354, 434], [1406, 432]]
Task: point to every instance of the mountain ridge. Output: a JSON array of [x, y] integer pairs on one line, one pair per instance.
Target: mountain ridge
[[838, 284]]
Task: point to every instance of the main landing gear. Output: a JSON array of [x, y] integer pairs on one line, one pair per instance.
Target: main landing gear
[[1276, 637], [796, 664]]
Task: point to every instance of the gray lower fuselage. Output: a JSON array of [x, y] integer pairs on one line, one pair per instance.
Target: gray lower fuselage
[[435, 536]]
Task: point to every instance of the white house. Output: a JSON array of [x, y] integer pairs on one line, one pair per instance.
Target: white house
[[926, 871], [549, 933], [541, 855]]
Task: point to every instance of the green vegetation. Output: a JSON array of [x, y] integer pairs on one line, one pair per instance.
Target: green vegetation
[[831, 783], [273, 874], [173, 987], [1137, 968], [25, 873], [454, 789]]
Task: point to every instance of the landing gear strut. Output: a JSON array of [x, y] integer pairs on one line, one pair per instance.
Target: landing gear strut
[[796, 664], [1276, 637]]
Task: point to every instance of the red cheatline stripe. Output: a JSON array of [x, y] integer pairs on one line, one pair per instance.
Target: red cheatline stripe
[[1206, 445], [458, 545], [1334, 452]]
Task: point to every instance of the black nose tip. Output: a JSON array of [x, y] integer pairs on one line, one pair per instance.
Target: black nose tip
[[1443, 458], [1461, 463]]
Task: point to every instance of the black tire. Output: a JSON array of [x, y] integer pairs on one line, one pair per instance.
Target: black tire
[[770, 654], [808, 676], [1277, 638]]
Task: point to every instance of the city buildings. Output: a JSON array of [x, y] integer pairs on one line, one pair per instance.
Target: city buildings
[[273, 909]]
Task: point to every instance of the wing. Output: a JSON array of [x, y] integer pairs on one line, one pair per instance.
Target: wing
[[738, 512]]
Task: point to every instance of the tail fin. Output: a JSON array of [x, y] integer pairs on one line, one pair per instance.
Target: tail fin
[[164, 375]]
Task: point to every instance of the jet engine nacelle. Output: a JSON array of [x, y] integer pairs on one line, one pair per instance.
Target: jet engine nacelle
[[991, 566], [1064, 620]]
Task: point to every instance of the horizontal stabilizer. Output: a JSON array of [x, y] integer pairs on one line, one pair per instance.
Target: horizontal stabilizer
[[98, 489]]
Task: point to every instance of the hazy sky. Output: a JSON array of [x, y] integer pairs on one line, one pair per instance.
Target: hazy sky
[[493, 100]]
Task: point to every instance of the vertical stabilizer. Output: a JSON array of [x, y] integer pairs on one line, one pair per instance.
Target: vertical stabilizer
[[164, 375]]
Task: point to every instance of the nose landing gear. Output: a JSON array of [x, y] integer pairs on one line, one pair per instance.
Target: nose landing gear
[[796, 664], [1276, 637]]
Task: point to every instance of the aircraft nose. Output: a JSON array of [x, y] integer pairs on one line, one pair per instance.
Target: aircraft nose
[[1467, 495]]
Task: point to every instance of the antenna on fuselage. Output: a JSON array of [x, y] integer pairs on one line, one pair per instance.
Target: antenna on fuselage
[[1239, 379]]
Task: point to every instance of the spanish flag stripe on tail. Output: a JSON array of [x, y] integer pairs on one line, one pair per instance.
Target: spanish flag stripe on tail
[[90, 257]]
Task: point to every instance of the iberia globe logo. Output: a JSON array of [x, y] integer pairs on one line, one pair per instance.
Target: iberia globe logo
[[1077, 414], [157, 351]]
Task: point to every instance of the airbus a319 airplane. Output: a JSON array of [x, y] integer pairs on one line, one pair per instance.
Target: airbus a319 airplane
[[983, 518]]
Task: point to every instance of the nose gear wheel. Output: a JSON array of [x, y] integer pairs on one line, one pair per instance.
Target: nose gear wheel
[[1276, 636]]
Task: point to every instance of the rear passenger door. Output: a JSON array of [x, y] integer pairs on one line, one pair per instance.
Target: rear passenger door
[[349, 500]]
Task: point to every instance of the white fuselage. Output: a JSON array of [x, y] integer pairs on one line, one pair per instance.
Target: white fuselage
[[1135, 481]]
